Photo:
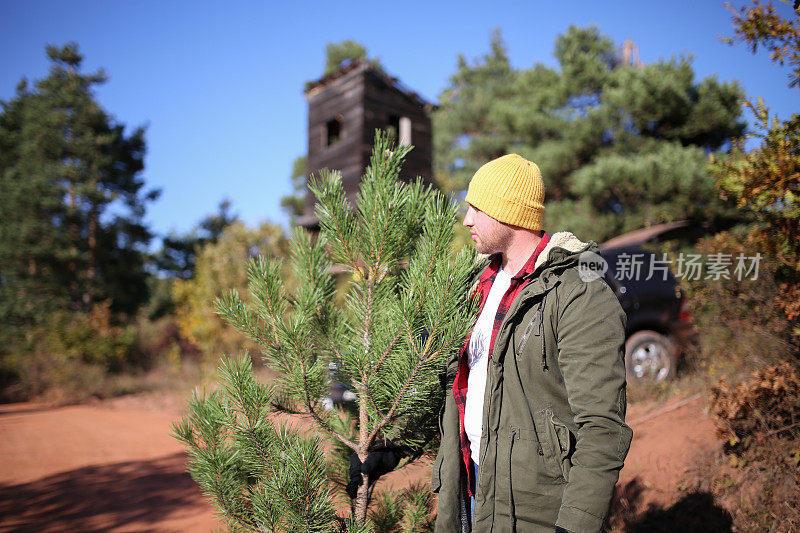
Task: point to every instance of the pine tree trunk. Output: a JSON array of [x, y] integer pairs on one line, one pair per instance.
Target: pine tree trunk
[[362, 498], [87, 297], [73, 247]]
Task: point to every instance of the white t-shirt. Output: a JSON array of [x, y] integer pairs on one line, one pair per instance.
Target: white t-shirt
[[478, 360]]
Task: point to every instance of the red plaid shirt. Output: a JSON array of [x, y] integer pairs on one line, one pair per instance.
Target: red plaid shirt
[[483, 288]]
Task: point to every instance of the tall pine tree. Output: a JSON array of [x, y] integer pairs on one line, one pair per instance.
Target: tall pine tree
[[72, 199], [406, 310], [621, 144]]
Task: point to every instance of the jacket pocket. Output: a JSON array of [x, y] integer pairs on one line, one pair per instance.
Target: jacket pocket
[[529, 467], [563, 443], [555, 444]]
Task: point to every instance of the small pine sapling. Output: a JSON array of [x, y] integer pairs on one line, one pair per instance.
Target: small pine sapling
[[399, 310]]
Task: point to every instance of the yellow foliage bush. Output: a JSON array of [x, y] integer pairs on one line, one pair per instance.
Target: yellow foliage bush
[[221, 267]]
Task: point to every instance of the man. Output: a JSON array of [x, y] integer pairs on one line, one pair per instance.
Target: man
[[533, 426]]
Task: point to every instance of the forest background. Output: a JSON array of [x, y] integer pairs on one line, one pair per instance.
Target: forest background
[[92, 306]]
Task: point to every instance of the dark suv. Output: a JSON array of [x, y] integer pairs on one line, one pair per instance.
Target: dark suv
[[659, 322]]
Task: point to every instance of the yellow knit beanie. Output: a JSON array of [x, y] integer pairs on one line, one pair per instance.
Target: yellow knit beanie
[[509, 189]]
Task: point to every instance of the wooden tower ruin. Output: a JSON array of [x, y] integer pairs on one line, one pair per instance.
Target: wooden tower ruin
[[344, 110]]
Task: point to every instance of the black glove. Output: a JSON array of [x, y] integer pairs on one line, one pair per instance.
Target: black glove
[[560, 529], [383, 458]]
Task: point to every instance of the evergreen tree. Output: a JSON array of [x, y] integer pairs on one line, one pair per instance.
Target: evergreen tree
[[178, 253], [294, 203], [406, 310], [33, 269], [342, 53], [621, 144], [72, 199]]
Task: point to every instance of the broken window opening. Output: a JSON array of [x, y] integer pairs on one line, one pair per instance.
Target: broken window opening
[[333, 131]]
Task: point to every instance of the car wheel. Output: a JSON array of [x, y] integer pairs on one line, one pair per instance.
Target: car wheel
[[649, 357]]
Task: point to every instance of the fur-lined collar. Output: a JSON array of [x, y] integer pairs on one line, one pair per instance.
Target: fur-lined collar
[[562, 239]]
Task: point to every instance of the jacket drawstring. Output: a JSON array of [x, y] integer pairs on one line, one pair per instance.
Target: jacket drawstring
[[512, 515]]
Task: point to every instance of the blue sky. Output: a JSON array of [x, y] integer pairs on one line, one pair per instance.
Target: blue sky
[[218, 85]]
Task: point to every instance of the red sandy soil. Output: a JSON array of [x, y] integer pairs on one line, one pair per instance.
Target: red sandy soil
[[112, 466]]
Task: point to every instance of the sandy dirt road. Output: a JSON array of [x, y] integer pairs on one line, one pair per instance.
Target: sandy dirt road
[[95, 468], [112, 466]]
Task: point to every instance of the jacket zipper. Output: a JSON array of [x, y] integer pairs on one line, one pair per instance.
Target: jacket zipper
[[484, 428], [541, 332], [525, 336]]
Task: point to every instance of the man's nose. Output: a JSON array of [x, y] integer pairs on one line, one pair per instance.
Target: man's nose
[[468, 217]]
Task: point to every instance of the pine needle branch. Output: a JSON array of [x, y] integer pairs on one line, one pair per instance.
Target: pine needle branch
[[325, 426], [391, 413], [385, 355]]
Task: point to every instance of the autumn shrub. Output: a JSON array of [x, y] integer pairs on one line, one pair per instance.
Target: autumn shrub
[[754, 325], [70, 357], [756, 476], [758, 488], [751, 482], [766, 405], [67, 355], [220, 268], [742, 328], [161, 341], [92, 337]]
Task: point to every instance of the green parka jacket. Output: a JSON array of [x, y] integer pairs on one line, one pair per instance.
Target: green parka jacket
[[554, 433]]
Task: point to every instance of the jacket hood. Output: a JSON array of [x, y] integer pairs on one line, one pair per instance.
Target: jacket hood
[[562, 250]]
